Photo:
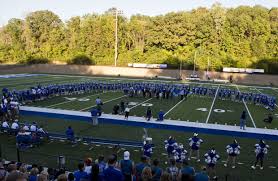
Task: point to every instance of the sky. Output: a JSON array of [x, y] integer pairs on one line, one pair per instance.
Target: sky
[[68, 8]]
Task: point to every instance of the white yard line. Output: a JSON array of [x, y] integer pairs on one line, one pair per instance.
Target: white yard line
[[141, 103], [248, 110], [72, 100], [103, 102], [216, 94], [174, 106]]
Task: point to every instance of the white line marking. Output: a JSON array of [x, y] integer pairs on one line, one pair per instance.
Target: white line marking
[[247, 109], [72, 100], [174, 106], [103, 102], [141, 103], [216, 94]]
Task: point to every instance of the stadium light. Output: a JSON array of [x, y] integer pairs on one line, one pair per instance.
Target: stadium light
[[116, 12]]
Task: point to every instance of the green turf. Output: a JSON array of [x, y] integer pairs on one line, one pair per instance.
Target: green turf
[[47, 153], [186, 110]]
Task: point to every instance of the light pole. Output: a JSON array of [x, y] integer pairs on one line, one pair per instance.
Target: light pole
[[116, 12]]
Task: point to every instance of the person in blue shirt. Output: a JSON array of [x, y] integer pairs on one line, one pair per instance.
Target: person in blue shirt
[[127, 166], [261, 150], [70, 134], [195, 144], [80, 173], [233, 150], [187, 170], [140, 166], [111, 173], [94, 114], [202, 176], [160, 116], [156, 170]]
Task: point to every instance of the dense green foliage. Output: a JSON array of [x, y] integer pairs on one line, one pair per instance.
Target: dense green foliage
[[238, 37]]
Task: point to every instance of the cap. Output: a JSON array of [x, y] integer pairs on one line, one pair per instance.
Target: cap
[[126, 155]]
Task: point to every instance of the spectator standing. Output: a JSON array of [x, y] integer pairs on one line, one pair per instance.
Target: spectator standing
[[187, 171], [140, 166], [160, 116], [95, 175], [33, 174], [127, 166], [202, 176], [156, 170], [80, 173], [111, 173], [146, 174], [88, 165], [165, 177], [173, 170]]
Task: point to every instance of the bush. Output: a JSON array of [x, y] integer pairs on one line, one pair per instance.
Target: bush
[[81, 60], [31, 61]]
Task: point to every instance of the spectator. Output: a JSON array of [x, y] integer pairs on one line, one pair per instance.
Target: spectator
[[101, 163], [80, 173], [33, 174], [165, 177], [146, 174], [95, 175], [127, 166], [88, 165], [62, 177], [156, 170], [140, 166], [173, 170], [23, 170], [3, 172], [26, 127], [202, 176], [187, 170], [70, 177], [16, 176], [111, 173], [43, 176], [122, 105]]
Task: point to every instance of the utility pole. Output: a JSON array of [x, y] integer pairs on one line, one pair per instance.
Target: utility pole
[[194, 69], [116, 12]]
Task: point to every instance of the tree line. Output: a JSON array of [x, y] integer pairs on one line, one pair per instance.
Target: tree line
[[226, 37]]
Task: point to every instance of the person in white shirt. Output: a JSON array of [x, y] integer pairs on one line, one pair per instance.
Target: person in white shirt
[[15, 125], [127, 110], [26, 128], [5, 124], [33, 127]]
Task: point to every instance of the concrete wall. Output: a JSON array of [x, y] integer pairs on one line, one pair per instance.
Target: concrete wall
[[259, 79]]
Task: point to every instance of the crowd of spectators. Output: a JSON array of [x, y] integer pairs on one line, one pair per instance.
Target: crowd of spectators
[[109, 169]]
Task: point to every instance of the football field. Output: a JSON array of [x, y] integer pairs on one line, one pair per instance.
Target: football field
[[194, 108]]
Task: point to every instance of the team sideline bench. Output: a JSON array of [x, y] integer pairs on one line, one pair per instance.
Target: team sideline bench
[[88, 140]]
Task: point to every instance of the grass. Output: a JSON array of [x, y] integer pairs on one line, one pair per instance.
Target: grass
[[188, 109]]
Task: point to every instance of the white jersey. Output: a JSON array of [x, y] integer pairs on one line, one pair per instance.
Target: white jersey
[[33, 128], [15, 126], [5, 124]]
